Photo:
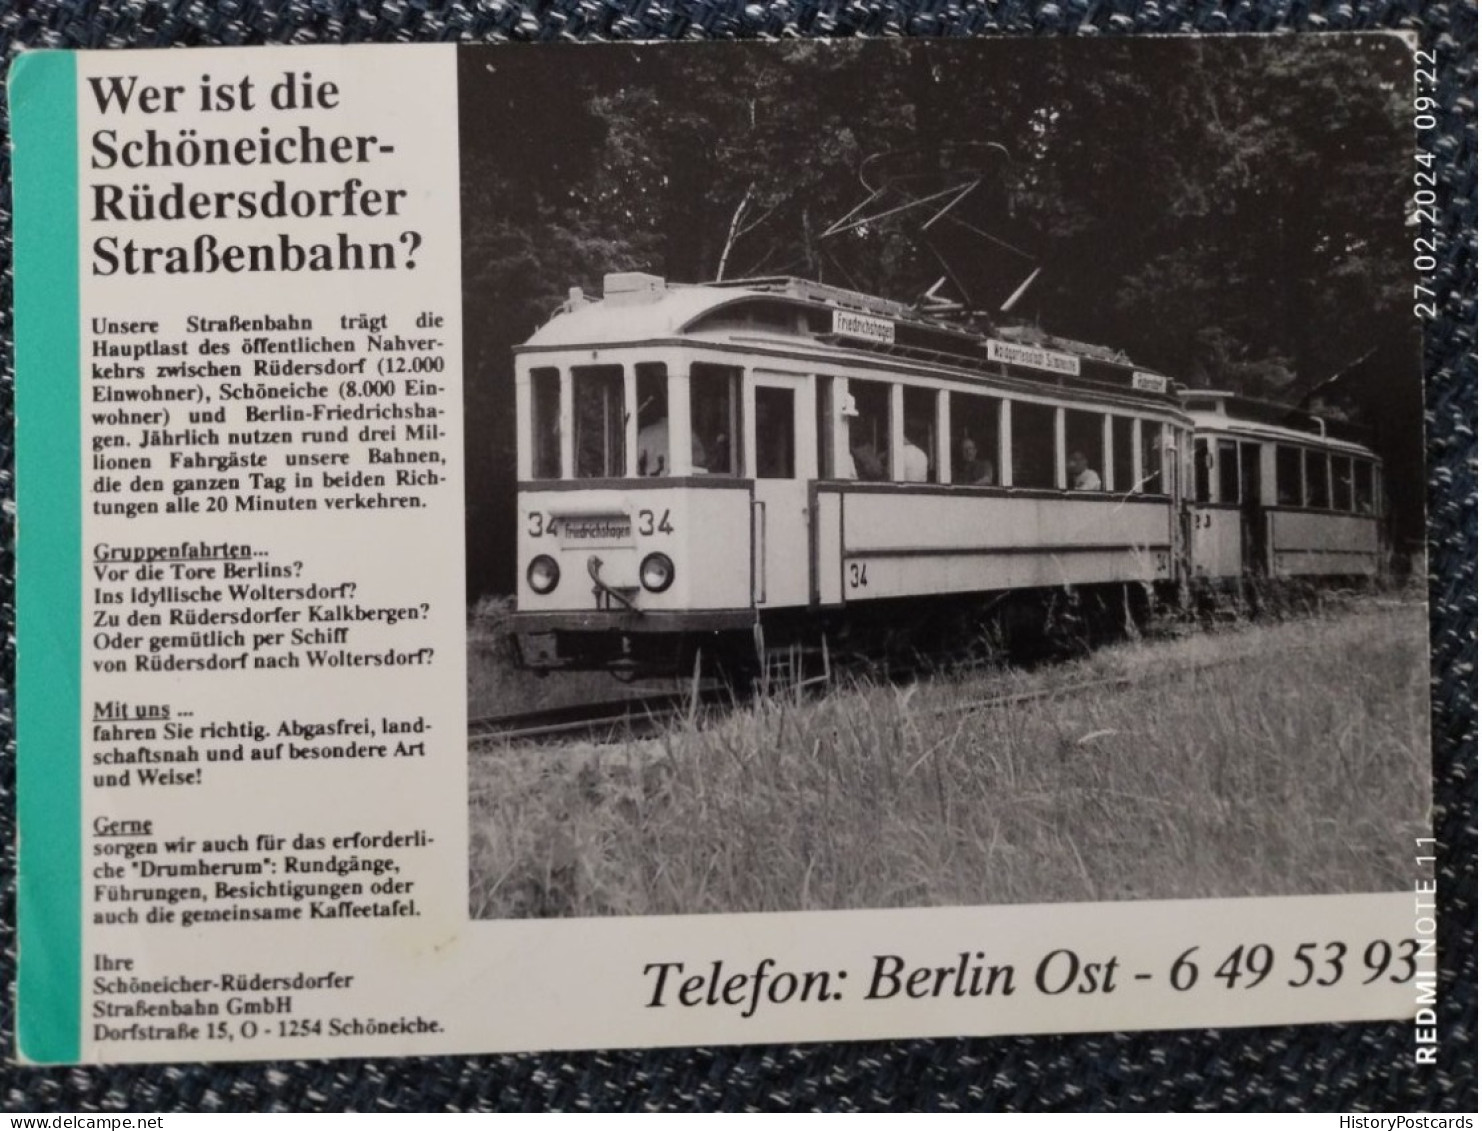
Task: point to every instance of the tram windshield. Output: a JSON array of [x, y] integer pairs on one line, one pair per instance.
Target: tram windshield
[[1288, 476], [654, 456], [597, 393], [1203, 465], [1342, 483], [545, 423], [1363, 484], [1152, 459], [715, 418], [775, 455], [1229, 462], [1317, 480]]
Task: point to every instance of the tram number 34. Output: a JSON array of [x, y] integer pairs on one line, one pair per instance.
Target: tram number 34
[[859, 577], [648, 524], [545, 526]]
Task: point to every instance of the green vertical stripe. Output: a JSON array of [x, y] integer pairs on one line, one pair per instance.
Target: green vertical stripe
[[43, 118]]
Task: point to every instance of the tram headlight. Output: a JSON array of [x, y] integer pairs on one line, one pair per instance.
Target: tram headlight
[[656, 573], [543, 574]]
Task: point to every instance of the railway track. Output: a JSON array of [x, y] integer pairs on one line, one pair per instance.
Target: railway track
[[634, 717], [646, 715]]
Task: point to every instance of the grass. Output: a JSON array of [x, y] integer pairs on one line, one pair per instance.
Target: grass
[[497, 687], [1299, 765]]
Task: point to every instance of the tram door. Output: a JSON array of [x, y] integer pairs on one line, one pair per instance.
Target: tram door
[[1252, 515], [781, 432]]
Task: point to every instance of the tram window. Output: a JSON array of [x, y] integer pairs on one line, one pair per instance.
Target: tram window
[[1288, 476], [869, 429], [597, 391], [1121, 454], [1033, 445], [974, 440], [715, 418], [545, 423], [1229, 460], [1342, 483], [1203, 462], [1317, 480], [653, 420], [1152, 458], [823, 406], [775, 458], [1363, 484], [921, 456]]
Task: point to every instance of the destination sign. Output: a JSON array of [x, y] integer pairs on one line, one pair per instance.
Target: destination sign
[[1032, 357], [597, 531], [847, 324], [1149, 382]]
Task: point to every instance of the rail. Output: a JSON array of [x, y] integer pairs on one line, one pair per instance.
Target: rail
[[634, 717], [645, 716]]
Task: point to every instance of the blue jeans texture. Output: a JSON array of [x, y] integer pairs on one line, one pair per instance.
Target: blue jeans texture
[[1351, 1068]]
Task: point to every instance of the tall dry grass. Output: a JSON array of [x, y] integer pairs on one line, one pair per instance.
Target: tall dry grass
[[1298, 766], [497, 687]]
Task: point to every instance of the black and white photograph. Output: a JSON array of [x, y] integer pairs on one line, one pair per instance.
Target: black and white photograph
[[953, 473]]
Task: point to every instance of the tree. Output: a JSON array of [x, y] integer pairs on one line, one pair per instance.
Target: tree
[[1229, 211]]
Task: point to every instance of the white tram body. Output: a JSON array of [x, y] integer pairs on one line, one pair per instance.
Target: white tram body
[[720, 462], [1277, 493]]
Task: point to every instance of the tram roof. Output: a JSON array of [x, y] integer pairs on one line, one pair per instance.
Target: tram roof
[[638, 307], [1228, 411], [635, 316]]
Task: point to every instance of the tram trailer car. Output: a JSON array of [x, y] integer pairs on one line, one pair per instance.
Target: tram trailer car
[[733, 466], [1280, 494]]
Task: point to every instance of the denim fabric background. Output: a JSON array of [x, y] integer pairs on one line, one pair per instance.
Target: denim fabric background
[[1321, 1067]]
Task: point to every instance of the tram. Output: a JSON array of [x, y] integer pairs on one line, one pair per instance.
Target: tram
[[1278, 493], [707, 467]]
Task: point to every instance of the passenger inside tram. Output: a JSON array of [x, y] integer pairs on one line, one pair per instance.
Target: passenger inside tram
[[915, 466], [975, 419], [868, 461], [653, 450], [1081, 477], [919, 456], [867, 410], [970, 469], [1084, 435], [715, 419], [653, 425]]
